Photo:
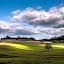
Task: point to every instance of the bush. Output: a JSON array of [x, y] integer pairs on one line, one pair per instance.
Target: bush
[[48, 46]]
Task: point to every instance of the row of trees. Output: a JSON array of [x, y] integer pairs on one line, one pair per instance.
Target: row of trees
[[17, 38], [55, 39]]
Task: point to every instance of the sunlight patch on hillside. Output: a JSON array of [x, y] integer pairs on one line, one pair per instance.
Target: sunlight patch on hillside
[[58, 46], [19, 46]]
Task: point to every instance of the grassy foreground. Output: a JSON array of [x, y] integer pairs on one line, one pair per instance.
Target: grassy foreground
[[23, 53]]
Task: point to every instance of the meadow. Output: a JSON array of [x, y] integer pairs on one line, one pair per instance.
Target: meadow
[[27, 53]]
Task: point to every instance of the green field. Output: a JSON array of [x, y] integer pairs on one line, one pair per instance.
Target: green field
[[24, 53]]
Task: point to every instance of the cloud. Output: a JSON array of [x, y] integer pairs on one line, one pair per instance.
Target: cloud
[[4, 25], [14, 29], [54, 17], [17, 29], [32, 21], [22, 32]]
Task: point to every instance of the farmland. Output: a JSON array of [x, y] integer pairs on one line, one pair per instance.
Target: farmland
[[30, 53]]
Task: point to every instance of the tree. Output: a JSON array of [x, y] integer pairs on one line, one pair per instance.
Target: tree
[[8, 37], [48, 45]]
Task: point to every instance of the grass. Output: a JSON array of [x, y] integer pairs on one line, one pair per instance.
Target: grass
[[23, 53]]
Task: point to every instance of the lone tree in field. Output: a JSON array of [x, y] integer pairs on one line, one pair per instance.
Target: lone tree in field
[[47, 45]]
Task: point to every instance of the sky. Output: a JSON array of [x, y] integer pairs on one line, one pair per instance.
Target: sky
[[32, 18]]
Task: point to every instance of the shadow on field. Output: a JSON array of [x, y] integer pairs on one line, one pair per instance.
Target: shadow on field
[[5, 62], [7, 56]]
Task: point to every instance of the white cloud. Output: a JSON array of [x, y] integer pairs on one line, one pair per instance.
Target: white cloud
[[14, 29], [18, 29], [16, 12], [50, 22], [4, 25], [30, 15], [54, 17]]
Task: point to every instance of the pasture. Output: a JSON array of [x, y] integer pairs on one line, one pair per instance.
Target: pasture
[[27, 53]]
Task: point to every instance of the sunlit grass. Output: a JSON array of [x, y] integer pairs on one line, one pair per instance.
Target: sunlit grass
[[19, 46], [24, 46], [31, 46], [58, 46], [18, 53]]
